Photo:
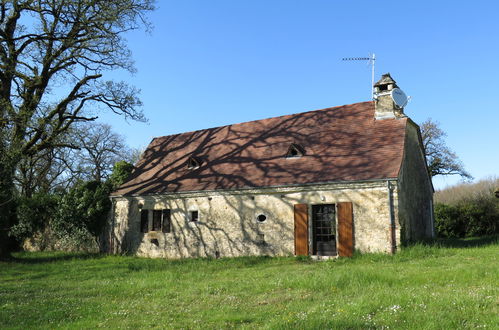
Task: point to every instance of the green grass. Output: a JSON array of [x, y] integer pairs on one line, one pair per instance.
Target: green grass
[[447, 285]]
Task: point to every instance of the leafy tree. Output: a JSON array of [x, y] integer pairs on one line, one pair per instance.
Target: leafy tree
[[441, 160], [81, 213], [121, 172], [33, 214], [83, 209], [53, 54]]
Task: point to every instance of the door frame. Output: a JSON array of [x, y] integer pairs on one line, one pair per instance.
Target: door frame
[[311, 228], [341, 251]]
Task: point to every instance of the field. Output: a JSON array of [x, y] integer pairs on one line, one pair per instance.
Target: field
[[447, 285]]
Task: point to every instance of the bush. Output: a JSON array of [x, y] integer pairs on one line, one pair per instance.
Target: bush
[[469, 218], [467, 209], [33, 214], [81, 214]]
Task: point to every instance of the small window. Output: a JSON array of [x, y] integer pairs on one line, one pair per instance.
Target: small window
[[193, 163], [295, 151], [167, 221], [161, 221], [383, 88], [144, 221], [194, 216], [156, 220], [260, 239], [261, 218]]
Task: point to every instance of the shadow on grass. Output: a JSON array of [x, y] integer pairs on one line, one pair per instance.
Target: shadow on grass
[[465, 242], [250, 261], [207, 264], [46, 257]]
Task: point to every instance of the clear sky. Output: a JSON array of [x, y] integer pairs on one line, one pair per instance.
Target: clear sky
[[218, 62]]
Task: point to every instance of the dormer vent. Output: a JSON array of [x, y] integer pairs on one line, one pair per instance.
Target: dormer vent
[[193, 163], [295, 151]]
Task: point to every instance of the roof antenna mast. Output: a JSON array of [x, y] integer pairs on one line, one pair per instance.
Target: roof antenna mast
[[371, 61]]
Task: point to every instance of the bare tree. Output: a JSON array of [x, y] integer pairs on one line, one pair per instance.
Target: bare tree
[[93, 150], [99, 149], [441, 160], [42, 172], [53, 55]]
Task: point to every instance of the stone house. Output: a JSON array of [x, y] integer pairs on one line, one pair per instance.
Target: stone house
[[324, 182]]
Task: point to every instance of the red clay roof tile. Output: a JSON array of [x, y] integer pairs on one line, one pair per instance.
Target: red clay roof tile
[[343, 143]]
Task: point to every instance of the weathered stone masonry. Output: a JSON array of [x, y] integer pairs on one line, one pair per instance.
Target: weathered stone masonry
[[228, 226], [325, 182]]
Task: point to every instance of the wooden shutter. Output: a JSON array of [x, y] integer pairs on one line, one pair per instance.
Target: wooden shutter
[[156, 220], [167, 223], [301, 229], [345, 229], [144, 221]]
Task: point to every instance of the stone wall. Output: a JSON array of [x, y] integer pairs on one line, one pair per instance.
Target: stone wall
[[415, 190], [227, 223]]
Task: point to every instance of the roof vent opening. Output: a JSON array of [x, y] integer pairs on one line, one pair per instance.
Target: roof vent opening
[[295, 151], [193, 163]]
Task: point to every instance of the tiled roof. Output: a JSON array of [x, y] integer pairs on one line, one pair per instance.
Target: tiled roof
[[343, 143]]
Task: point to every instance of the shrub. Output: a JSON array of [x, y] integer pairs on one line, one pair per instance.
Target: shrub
[[81, 213], [448, 223], [467, 209], [467, 218], [33, 214]]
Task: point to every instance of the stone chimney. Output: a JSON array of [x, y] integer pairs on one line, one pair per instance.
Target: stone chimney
[[384, 105]]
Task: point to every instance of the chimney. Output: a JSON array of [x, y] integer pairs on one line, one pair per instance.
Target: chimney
[[386, 97]]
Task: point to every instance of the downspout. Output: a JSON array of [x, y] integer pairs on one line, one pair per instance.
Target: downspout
[[432, 218], [112, 248], [393, 232]]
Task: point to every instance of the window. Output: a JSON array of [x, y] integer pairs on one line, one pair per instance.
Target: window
[[167, 221], [383, 88], [161, 221], [144, 221], [156, 220], [295, 151], [194, 216], [193, 163], [261, 218], [260, 239]]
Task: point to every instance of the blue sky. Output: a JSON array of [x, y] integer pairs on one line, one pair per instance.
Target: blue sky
[[218, 62]]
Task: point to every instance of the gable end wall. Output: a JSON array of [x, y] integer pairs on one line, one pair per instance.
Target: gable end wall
[[415, 190]]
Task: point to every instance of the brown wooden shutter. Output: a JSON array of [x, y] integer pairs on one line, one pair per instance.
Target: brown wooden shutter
[[156, 220], [345, 229], [167, 222], [144, 221], [301, 229]]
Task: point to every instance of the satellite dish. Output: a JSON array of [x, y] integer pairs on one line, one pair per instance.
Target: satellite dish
[[399, 97]]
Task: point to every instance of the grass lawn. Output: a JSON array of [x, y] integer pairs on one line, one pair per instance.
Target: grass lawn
[[447, 285]]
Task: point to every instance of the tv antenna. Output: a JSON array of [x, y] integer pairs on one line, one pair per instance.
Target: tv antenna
[[371, 60]]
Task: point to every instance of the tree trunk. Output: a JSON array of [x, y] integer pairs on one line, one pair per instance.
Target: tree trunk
[[7, 207]]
